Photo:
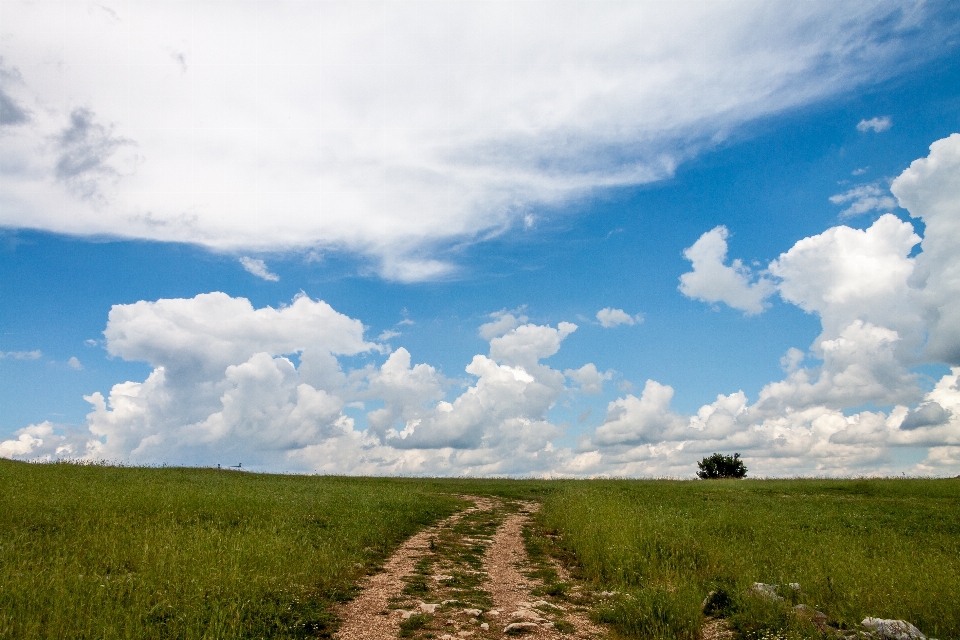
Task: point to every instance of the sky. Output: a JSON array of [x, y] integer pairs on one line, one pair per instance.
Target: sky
[[565, 239]]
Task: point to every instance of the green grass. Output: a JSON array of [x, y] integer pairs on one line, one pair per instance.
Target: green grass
[[883, 548], [103, 552], [106, 552]]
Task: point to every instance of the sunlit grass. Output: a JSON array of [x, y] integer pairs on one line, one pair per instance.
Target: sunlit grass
[[106, 552], [101, 552], [882, 548]]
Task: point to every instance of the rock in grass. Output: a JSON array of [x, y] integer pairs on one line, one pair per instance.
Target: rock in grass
[[768, 591], [818, 618], [526, 614], [520, 627], [892, 629]]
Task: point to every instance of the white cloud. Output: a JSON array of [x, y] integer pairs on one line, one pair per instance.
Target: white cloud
[[930, 190], [859, 366], [590, 380], [846, 274], [503, 321], [864, 198], [258, 268], [647, 419], [713, 281], [529, 343], [74, 363], [21, 355], [207, 333], [222, 388], [612, 317], [391, 137], [878, 124], [791, 360]]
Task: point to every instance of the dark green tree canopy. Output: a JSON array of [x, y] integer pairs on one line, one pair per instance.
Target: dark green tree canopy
[[720, 466]]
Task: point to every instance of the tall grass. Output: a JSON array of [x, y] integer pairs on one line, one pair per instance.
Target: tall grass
[[883, 548], [104, 552]]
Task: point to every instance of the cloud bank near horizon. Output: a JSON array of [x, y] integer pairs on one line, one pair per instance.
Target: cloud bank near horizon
[[392, 138], [269, 386]]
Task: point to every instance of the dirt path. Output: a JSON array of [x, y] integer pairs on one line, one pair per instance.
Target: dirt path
[[509, 583], [469, 576], [367, 617]]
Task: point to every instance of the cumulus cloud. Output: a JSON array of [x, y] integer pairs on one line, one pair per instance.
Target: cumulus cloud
[[74, 363], [503, 321], [529, 343], [223, 389], [881, 311], [590, 380], [864, 198], [930, 190], [371, 137], [928, 414], [646, 419], [612, 317], [878, 124], [222, 386], [258, 268], [714, 281], [845, 274]]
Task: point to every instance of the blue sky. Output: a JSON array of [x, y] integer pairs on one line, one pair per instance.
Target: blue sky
[[586, 188]]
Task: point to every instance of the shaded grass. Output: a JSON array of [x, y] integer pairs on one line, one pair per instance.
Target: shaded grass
[[883, 548]]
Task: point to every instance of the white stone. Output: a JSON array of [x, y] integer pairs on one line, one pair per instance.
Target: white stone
[[766, 590], [892, 629]]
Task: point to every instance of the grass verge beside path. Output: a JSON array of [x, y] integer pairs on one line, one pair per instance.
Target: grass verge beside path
[[106, 552], [882, 548]]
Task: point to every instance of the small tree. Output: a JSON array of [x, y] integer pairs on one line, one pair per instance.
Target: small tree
[[720, 466]]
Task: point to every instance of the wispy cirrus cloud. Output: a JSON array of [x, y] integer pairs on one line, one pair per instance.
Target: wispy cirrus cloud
[[258, 268], [878, 124], [393, 138], [863, 199], [21, 355]]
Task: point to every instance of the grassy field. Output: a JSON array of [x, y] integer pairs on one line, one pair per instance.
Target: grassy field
[[106, 552], [101, 552], [881, 548]]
